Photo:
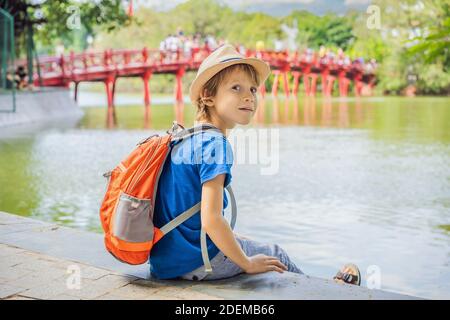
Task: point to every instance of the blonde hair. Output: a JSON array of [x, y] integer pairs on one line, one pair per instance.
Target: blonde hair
[[212, 85]]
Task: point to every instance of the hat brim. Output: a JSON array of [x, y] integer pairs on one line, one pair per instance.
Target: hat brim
[[262, 69]]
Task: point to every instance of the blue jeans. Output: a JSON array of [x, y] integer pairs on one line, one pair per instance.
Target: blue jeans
[[225, 268]]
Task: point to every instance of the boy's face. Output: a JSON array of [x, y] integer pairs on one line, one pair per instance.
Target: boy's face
[[236, 99]]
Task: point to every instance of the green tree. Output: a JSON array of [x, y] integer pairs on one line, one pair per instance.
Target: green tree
[[329, 30], [401, 60], [250, 28], [433, 43], [202, 16], [64, 20]]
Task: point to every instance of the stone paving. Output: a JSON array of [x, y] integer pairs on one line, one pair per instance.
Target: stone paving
[[28, 275]]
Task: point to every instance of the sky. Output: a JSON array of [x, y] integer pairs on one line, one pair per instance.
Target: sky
[[274, 7]]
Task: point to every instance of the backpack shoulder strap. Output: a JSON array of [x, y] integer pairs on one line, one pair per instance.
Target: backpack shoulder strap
[[203, 244], [196, 208], [178, 135]]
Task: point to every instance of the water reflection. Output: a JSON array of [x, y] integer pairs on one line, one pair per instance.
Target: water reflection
[[147, 117], [17, 195], [416, 119], [179, 112], [111, 118]]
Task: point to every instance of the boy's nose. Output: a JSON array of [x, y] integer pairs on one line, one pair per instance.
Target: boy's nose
[[249, 99]]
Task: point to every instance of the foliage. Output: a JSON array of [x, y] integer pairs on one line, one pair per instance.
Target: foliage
[[329, 30], [412, 41], [64, 20]]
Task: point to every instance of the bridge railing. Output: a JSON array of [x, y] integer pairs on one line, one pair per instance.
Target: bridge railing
[[123, 57], [60, 70]]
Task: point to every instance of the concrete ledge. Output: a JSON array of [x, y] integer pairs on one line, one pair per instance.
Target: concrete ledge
[[19, 236], [39, 106]]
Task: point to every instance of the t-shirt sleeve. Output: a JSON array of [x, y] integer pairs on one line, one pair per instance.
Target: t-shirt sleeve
[[214, 157]]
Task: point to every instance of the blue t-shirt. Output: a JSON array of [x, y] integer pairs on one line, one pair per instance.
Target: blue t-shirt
[[192, 162]]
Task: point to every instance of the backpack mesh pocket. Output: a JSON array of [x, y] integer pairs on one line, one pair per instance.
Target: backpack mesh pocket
[[133, 220]]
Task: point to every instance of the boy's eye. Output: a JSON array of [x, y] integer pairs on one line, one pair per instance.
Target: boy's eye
[[238, 87]]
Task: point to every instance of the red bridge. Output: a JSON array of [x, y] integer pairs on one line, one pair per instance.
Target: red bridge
[[109, 65]]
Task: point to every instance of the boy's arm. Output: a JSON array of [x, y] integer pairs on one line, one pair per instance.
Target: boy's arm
[[218, 229]]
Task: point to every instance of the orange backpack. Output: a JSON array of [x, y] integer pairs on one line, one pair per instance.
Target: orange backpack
[[127, 208]]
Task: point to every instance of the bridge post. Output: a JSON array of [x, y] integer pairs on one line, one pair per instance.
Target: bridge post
[[285, 68], [329, 85], [107, 54], [296, 75], [110, 84], [146, 78], [357, 87], [262, 90], [357, 80], [343, 84], [306, 83], [346, 85], [179, 85], [145, 55], [286, 83], [313, 84], [275, 82], [324, 80]]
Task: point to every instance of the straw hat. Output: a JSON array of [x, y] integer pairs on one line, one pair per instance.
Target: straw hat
[[218, 60]]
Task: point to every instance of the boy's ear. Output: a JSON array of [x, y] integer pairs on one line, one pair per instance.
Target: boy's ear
[[208, 101]]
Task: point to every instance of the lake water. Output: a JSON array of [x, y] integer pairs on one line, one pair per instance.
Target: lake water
[[357, 180]]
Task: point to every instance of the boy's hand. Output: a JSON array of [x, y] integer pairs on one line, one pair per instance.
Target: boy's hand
[[261, 263]]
